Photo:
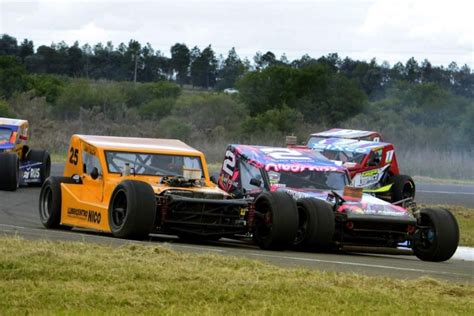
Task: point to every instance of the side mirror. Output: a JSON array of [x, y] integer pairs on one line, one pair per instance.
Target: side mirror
[[94, 173], [213, 179], [255, 182], [76, 178]]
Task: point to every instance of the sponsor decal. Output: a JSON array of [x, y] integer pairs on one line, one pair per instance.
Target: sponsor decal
[[31, 173], [297, 167], [334, 147], [89, 149], [86, 215]]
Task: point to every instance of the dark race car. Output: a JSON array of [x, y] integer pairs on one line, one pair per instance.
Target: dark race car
[[20, 165], [330, 213], [372, 166]]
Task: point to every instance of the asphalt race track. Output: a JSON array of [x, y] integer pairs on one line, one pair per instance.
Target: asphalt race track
[[19, 217], [451, 194]]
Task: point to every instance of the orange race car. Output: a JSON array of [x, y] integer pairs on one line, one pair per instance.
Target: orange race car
[[132, 187]]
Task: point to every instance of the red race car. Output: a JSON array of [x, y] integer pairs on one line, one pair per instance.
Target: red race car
[[372, 165]]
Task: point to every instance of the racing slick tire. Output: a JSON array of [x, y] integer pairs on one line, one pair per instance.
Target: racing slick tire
[[438, 235], [316, 225], [9, 171], [403, 187], [45, 159], [132, 210], [276, 220], [50, 202]]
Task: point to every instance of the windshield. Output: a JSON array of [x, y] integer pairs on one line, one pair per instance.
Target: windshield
[[5, 135], [338, 153], [152, 164], [323, 180]]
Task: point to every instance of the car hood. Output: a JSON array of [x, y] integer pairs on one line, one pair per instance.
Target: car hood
[[368, 205], [6, 146]]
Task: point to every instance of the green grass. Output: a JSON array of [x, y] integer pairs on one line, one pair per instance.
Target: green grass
[[58, 157], [465, 218], [40, 277]]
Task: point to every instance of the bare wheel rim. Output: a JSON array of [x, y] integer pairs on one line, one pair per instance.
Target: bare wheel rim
[[119, 209], [46, 203], [428, 234]]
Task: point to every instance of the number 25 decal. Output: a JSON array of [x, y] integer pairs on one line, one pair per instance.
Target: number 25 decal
[[229, 163], [74, 156]]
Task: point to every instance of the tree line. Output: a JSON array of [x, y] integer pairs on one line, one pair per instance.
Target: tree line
[[413, 103], [203, 68]]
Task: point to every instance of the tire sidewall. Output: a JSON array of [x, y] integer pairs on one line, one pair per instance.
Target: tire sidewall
[[446, 232]]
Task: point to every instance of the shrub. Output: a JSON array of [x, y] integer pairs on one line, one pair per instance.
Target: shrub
[[156, 109], [5, 109], [48, 86]]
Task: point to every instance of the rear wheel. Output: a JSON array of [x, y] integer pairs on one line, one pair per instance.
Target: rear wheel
[[50, 202], [132, 210], [276, 220], [9, 171], [45, 159], [438, 235], [403, 187], [316, 224]]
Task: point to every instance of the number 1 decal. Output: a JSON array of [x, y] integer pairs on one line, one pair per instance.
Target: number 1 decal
[[389, 156]]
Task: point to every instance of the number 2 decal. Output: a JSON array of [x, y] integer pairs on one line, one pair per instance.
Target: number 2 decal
[[74, 156], [229, 163], [284, 154]]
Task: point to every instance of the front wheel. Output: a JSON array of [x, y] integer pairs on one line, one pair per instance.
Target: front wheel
[[316, 224], [132, 210], [50, 202], [276, 220], [438, 235]]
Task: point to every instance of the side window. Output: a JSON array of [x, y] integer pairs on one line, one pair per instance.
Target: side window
[[375, 158], [90, 161], [247, 172]]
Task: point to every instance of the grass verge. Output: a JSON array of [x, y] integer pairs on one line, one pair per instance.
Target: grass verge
[[41, 277], [465, 218]]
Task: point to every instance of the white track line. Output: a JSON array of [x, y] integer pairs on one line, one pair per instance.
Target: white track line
[[357, 264], [279, 256], [445, 192]]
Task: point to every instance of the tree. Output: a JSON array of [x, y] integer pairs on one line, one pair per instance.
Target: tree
[[180, 60], [134, 52], [12, 76], [8, 45], [26, 49], [75, 60], [232, 69], [412, 71], [265, 60], [204, 68]]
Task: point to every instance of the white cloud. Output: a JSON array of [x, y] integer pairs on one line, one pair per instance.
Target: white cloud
[[388, 30]]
